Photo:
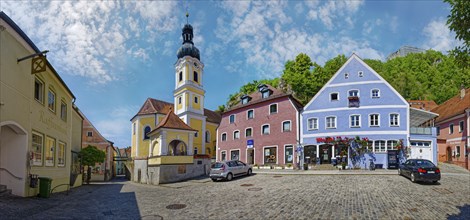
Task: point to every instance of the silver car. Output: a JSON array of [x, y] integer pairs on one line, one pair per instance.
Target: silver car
[[229, 169]]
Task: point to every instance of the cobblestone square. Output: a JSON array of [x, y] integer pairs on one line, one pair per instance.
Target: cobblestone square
[[261, 196]]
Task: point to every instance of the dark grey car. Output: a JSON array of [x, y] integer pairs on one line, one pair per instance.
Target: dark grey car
[[229, 169], [420, 170]]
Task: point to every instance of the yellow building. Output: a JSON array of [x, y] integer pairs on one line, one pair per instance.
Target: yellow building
[[163, 148], [37, 120]]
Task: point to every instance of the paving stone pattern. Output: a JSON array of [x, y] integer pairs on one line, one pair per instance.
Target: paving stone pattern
[[269, 197]]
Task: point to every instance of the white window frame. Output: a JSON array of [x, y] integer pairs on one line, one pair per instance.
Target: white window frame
[[337, 96], [358, 92], [222, 136], [293, 152], [251, 132], [54, 104], [63, 106], [377, 149], [390, 119], [41, 93], [461, 126], [208, 136], [46, 148], [43, 142], [335, 122], [372, 93], [277, 109], [350, 121], [221, 152], [269, 129], [290, 126], [313, 127], [392, 146], [234, 119], [239, 153], [63, 153], [378, 120], [451, 128], [89, 132], [234, 135], [277, 153], [248, 118]]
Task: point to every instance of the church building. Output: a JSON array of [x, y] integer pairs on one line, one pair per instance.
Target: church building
[[176, 141]]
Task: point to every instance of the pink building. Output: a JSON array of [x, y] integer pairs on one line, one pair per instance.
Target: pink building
[[261, 129], [454, 130]]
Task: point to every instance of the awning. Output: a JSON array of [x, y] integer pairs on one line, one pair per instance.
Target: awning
[[419, 117]]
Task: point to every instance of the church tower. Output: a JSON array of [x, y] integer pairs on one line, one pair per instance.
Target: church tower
[[189, 92]]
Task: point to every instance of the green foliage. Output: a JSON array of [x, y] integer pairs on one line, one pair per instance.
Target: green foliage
[[248, 88], [459, 22], [426, 76], [92, 155]]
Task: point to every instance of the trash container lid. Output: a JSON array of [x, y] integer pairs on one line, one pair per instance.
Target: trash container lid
[[45, 178]]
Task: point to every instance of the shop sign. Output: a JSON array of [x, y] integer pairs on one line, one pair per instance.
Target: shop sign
[[250, 143]]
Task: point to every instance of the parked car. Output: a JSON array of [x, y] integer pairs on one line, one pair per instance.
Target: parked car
[[229, 169], [420, 170]]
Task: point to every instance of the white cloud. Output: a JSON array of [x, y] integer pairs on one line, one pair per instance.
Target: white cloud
[[89, 38], [438, 36], [332, 12], [116, 127]]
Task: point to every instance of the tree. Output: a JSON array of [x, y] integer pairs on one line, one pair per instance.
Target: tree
[[459, 22], [297, 75], [90, 156]]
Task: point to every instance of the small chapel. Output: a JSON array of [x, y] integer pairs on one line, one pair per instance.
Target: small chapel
[[176, 141]]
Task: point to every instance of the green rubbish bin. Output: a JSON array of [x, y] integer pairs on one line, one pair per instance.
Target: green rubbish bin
[[45, 187]]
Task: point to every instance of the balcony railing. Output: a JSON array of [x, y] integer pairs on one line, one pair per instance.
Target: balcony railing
[[353, 101], [419, 130]]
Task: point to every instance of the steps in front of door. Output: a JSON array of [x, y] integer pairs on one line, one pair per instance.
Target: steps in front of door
[[4, 191], [324, 167]]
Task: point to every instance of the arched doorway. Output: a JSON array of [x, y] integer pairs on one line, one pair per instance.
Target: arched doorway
[[177, 148], [449, 153], [13, 157]]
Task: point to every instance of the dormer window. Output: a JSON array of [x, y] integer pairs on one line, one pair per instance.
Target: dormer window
[[245, 99], [265, 94]]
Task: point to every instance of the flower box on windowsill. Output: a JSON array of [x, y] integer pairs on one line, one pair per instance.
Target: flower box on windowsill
[[353, 98]]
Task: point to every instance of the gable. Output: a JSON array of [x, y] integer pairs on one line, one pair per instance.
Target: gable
[[365, 83]]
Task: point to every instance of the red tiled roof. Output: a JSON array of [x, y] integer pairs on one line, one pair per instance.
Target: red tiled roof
[[426, 105], [256, 97], [154, 106], [454, 106], [172, 121]]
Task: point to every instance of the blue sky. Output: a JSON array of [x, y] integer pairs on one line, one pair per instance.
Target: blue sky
[[114, 55]]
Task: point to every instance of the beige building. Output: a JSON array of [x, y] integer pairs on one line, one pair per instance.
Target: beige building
[[38, 120]]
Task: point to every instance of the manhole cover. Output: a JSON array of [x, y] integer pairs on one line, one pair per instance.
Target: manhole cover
[[277, 176], [442, 190], [246, 184], [255, 189], [176, 206]]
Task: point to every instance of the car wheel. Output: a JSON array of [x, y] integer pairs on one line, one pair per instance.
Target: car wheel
[[249, 172], [229, 176], [435, 181], [214, 180], [413, 178]]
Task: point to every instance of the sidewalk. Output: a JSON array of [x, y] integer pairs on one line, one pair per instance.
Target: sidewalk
[[325, 172], [445, 170]]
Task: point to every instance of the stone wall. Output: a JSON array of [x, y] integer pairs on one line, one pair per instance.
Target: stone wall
[[140, 165], [177, 172]]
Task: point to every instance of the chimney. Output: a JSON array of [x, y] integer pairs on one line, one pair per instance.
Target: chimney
[[462, 91]]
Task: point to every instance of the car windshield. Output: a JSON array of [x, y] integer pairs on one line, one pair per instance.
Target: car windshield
[[424, 163], [217, 165]]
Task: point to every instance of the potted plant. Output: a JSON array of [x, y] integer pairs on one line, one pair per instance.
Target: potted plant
[[343, 165]]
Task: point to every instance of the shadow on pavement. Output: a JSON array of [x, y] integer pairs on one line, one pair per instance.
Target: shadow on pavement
[[95, 201], [464, 213]]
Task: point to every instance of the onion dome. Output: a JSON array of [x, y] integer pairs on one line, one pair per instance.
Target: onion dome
[[188, 48]]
